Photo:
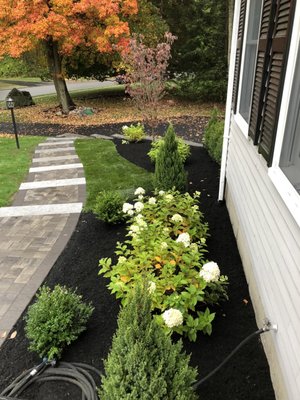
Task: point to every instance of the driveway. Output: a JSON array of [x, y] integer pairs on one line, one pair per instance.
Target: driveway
[[38, 89]]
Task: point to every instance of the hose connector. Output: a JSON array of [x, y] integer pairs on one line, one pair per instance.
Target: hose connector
[[268, 326]]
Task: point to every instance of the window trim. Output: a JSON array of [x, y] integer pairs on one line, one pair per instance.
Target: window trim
[[239, 120], [284, 187]]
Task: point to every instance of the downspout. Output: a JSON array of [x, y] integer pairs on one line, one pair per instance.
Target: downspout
[[226, 135]]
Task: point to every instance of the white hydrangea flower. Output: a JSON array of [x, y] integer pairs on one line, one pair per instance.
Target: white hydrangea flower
[[172, 317], [127, 207], [139, 190], [130, 212], [184, 238], [134, 229], [210, 272], [169, 197], [141, 223], [166, 230], [161, 192], [152, 200], [121, 259], [124, 127], [177, 218], [164, 245], [151, 287], [138, 206], [140, 197]]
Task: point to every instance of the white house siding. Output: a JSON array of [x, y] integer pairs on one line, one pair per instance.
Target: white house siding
[[269, 243]]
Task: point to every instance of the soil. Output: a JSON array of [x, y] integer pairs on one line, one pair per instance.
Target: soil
[[245, 377]]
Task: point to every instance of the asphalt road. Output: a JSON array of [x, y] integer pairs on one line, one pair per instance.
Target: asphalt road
[[38, 89]]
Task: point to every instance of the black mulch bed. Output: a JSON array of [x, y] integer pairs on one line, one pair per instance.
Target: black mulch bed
[[189, 128], [245, 377]]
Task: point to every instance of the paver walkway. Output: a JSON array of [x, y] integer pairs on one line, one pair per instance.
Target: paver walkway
[[36, 228]]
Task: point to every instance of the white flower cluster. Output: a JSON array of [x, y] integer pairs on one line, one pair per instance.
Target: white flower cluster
[[184, 238], [210, 272], [177, 218], [140, 191], [152, 200], [169, 197], [172, 317], [164, 245], [128, 209], [151, 287], [138, 206], [161, 192]]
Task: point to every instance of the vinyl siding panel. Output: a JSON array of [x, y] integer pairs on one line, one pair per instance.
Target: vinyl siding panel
[[270, 242]]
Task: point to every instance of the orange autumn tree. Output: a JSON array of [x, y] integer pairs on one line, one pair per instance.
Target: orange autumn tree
[[61, 25]]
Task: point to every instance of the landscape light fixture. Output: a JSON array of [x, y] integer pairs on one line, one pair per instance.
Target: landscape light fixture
[[10, 105]]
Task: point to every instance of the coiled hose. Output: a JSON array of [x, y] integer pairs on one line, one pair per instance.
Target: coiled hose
[[77, 374]]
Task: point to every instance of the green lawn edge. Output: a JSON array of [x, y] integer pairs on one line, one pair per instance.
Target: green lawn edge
[[105, 169]]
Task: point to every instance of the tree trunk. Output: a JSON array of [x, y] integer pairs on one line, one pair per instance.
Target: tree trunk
[[55, 68]]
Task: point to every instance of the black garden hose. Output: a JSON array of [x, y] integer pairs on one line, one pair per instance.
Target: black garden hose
[[78, 374]]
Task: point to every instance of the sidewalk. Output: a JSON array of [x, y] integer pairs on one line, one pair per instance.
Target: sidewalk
[[37, 227]]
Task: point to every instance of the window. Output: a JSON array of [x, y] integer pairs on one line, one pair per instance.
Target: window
[[290, 153], [249, 61]]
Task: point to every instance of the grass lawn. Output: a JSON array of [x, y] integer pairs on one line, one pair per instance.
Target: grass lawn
[[14, 164], [105, 169]]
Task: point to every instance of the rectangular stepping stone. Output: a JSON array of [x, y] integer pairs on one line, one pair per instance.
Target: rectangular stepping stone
[[47, 209], [53, 143], [59, 149], [53, 183], [55, 158], [55, 167]]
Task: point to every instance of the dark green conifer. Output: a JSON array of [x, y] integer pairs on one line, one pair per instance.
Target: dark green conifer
[[169, 169], [143, 362]]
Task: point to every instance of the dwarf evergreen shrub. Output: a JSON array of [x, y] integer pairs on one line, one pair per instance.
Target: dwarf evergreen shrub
[[143, 362], [183, 149], [169, 169], [213, 136], [55, 320]]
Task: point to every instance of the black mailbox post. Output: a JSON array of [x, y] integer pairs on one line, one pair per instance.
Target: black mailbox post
[[10, 106]]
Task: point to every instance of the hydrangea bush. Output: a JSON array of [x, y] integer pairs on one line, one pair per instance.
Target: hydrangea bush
[[166, 244]]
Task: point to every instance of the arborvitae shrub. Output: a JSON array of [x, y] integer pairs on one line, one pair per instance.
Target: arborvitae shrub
[[143, 362], [213, 136], [169, 169]]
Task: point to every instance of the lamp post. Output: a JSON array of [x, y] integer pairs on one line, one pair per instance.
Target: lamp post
[[10, 104]]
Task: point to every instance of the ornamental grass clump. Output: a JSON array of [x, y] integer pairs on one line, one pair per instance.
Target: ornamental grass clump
[[166, 244], [169, 170], [143, 363], [55, 320]]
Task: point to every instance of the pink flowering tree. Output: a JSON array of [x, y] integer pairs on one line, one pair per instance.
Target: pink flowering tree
[[147, 74]]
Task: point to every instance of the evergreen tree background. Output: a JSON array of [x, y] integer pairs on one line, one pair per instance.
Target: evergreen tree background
[[169, 169], [143, 362]]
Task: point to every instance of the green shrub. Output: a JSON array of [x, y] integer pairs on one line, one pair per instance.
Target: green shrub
[[134, 133], [206, 90], [55, 320], [183, 149], [143, 363], [108, 207], [167, 244], [213, 136], [169, 169]]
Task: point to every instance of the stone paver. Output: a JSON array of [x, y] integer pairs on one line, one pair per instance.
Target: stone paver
[[36, 228]]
